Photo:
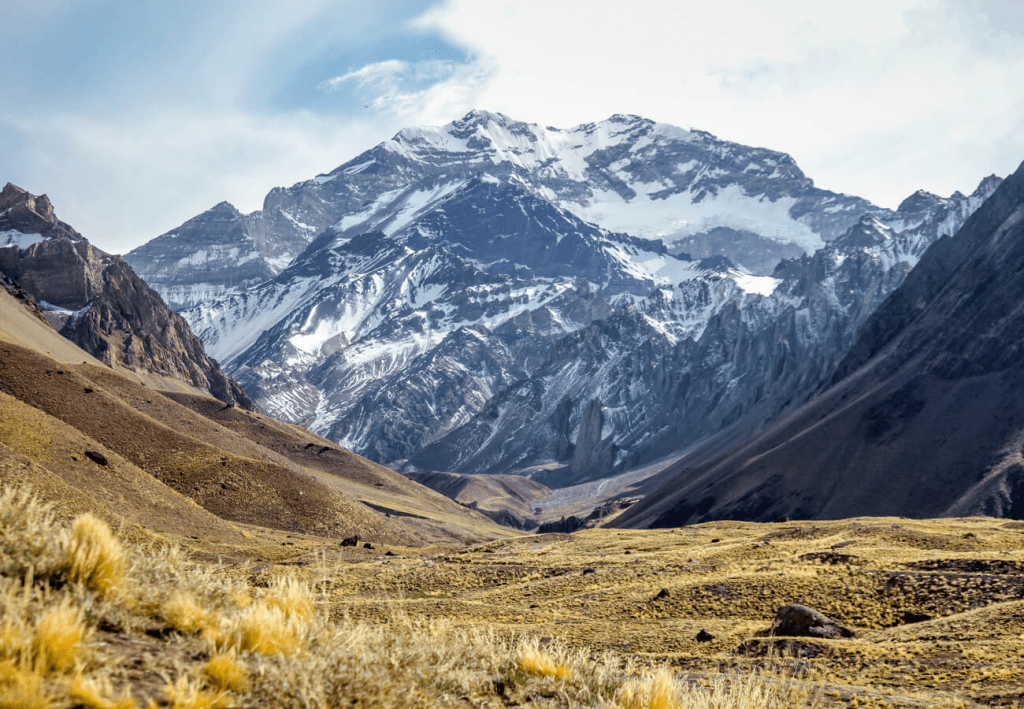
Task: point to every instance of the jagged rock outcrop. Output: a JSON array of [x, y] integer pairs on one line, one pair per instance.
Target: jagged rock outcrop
[[96, 300]]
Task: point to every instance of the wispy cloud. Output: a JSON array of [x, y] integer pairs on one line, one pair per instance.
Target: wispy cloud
[[424, 91]]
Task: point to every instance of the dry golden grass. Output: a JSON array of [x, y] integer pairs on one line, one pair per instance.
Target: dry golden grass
[[95, 556], [550, 620]]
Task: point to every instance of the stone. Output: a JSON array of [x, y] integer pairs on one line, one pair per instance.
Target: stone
[[704, 637], [96, 457], [796, 620]]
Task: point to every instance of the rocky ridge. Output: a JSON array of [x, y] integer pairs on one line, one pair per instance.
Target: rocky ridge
[[95, 299]]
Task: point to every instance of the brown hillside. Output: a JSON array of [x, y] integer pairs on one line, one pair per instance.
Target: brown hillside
[[178, 470], [505, 498]]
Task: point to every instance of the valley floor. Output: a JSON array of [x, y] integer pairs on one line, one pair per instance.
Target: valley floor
[[543, 620]]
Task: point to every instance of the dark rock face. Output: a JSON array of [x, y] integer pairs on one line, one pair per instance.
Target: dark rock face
[[96, 301], [802, 622], [923, 416]]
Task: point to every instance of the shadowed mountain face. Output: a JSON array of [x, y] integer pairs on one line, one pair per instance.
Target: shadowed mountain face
[[924, 416], [96, 300]]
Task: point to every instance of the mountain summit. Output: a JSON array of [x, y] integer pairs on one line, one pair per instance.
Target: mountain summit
[[473, 297]]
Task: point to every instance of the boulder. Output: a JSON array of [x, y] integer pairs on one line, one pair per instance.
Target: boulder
[[796, 620]]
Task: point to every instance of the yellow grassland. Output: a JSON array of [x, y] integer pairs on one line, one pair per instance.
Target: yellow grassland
[[90, 618]]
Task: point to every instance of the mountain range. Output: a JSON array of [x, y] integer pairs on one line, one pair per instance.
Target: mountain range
[[117, 415], [495, 296]]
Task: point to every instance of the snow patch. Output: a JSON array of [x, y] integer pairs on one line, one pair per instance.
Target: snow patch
[[17, 238]]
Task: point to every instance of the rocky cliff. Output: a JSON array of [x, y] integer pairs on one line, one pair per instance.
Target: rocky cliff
[[96, 300]]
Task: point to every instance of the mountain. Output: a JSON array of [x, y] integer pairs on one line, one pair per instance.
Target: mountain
[[923, 415], [160, 459], [385, 342], [625, 390], [96, 300], [474, 297], [700, 194]]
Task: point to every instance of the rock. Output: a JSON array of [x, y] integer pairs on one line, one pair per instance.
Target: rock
[[704, 637], [663, 593], [589, 570], [367, 546], [96, 457], [911, 617], [796, 620], [350, 541]]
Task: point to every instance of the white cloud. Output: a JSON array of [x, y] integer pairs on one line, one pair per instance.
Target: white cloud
[[122, 181], [876, 98]]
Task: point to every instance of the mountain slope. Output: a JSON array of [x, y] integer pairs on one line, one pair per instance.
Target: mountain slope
[[161, 456], [924, 417]]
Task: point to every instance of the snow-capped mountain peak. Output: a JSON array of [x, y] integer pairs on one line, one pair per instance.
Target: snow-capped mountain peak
[[474, 288]]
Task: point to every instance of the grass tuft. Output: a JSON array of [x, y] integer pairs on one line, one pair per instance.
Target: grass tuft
[[183, 612], [22, 687], [95, 557], [28, 537], [264, 629], [97, 693], [225, 672], [186, 694], [293, 598], [58, 636], [532, 660], [656, 691]]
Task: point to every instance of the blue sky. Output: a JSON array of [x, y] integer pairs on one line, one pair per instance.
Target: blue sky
[[137, 115]]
